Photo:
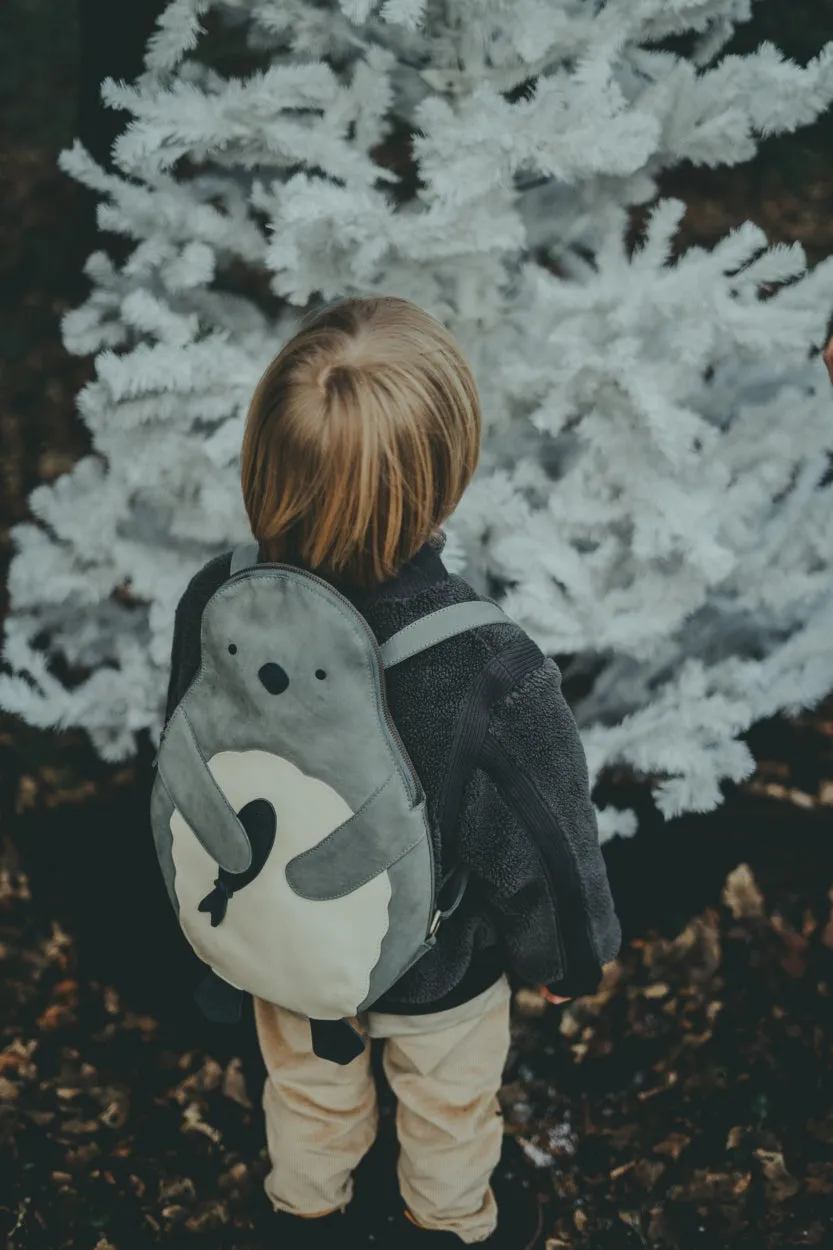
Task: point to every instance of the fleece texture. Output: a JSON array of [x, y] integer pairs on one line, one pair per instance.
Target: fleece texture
[[508, 920]]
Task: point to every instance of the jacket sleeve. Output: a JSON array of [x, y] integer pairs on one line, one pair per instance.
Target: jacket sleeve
[[530, 835], [185, 646]]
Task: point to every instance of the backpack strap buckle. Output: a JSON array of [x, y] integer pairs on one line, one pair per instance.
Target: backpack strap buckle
[[441, 914]]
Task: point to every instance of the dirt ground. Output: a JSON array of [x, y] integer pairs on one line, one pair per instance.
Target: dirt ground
[[688, 1103]]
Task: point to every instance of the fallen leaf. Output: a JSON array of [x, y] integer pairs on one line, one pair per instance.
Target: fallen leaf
[[658, 989], [8, 1090], [145, 1024], [538, 1157], [174, 1214], [647, 1173], [530, 1003], [819, 1179], [67, 992], [673, 1145], [741, 894], [17, 1058], [40, 1117], [177, 1188], [795, 941], [213, 1215], [56, 1016], [79, 1128], [644, 1094], [780, 1183], [236, 1175], [234, 1084], [208, 1078], [696, 1039], [116, 1112], [655, 1226], [570, 1025], [194, 1123], [697, 947], [56, 948], [82, 1155]]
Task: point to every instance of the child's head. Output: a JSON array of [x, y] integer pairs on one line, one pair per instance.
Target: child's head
[[361, 437]]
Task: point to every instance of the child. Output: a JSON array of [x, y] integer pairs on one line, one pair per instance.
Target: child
[[360, 440]]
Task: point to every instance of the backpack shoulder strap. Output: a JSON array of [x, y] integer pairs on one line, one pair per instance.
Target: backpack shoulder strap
[[437, 626], [242, 556]]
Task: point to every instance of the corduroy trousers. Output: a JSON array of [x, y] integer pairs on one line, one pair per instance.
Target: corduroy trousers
[[445, 1070]]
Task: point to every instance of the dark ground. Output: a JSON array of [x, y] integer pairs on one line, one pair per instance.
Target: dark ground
[[687, 1105]]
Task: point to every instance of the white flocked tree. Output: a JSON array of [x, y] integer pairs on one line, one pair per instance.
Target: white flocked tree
[[651, 497]]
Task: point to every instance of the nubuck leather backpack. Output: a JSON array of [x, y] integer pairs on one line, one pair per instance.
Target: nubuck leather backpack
[[290, 824]]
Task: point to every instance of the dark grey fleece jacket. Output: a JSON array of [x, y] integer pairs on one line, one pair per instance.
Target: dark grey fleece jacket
[[537, 904]]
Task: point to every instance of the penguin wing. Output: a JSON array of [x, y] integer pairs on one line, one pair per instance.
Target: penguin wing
[[354, 853], [199, 799]]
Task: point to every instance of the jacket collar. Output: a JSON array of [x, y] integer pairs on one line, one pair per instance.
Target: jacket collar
[[423, 570]]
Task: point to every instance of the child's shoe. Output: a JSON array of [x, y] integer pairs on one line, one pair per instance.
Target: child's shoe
[[520, 1225], [293, 1232]]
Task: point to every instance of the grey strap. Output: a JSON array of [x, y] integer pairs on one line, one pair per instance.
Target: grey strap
[[439, 625], [243, 556]]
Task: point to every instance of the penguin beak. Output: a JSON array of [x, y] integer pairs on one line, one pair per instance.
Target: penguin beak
[[273, 677]]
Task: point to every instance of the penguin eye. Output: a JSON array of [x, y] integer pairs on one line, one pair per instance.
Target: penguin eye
[[319, 673], [232, 649]]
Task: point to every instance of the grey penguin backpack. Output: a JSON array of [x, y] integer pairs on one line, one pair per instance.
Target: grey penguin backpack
[[290, 824]]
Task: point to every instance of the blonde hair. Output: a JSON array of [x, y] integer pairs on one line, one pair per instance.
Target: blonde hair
[[360, 439]]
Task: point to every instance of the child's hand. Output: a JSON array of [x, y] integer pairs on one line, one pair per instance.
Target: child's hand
[[551, 998]]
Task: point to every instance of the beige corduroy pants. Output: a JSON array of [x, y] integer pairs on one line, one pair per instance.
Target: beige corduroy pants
[[445, 1070]]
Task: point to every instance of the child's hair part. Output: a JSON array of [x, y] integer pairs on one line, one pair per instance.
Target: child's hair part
[[360, 439]]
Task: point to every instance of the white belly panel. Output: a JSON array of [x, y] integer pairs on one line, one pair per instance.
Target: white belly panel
[[311, 957]]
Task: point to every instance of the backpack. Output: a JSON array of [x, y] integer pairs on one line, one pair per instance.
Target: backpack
[[289, 822]]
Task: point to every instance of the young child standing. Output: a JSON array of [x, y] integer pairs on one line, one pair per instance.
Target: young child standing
[[360, 440]]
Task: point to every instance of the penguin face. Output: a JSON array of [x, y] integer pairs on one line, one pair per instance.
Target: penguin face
[[273, 676], [278, 657]]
